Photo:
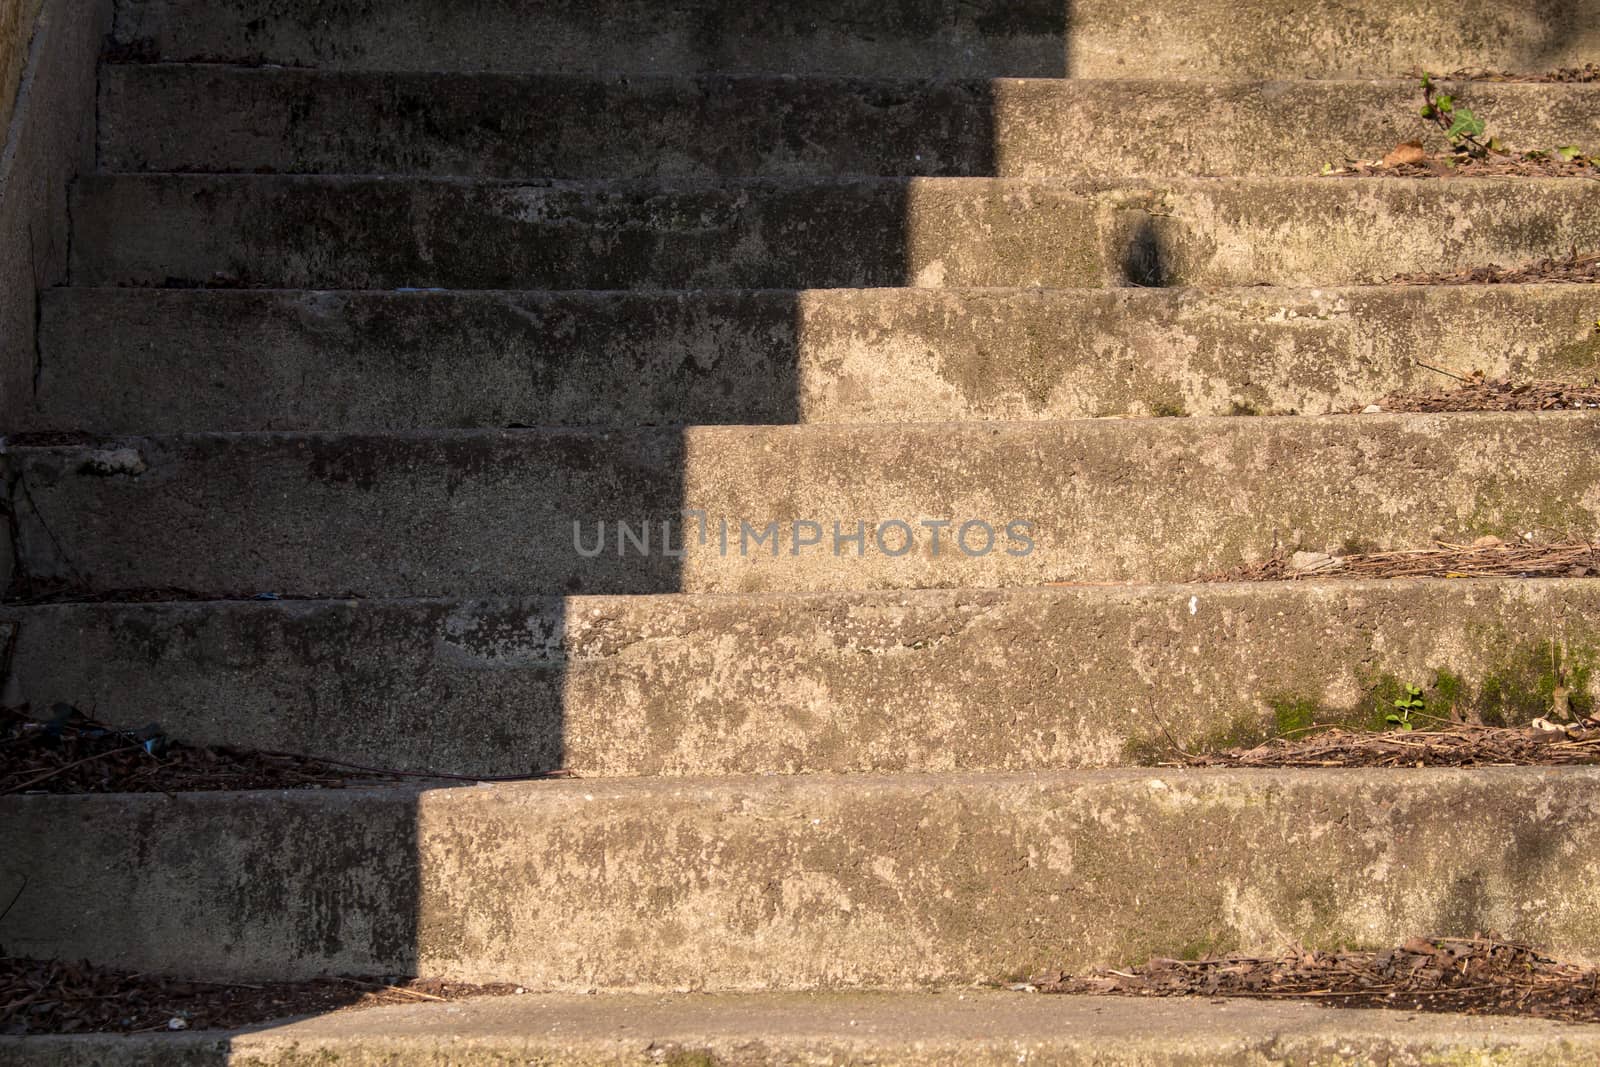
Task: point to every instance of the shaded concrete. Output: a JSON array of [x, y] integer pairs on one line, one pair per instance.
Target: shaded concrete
[[550, 126], [946, 1029], [396, 361], [798, 883], [334, 232], [1037, 38], [49, 139], [520, 512], [634, 36], [706, 685], [760, 882], [255, 878]]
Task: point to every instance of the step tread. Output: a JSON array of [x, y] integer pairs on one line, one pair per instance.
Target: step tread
[[1040, 37], [679, 684], [970, 1027], [274, 231], [804, 882], [487, 512], [244, 119], [376, 360]]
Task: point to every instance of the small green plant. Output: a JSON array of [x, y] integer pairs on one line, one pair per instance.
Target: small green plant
[[1404, 708], [1470, 143], [1466, 132], [1461, 127]]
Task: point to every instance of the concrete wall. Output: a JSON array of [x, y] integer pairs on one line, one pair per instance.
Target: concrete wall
[[48, 53]]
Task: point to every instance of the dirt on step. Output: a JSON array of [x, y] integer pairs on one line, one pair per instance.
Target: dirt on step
[[1444, 165], [72, 753], [52, 997], [1488, 557], [1473, 976], [1480, 394], [53, 439], [1571, 268], [1443, 744], [1589, 72]]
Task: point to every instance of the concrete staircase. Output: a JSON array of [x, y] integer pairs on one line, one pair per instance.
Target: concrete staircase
[[372, 303]]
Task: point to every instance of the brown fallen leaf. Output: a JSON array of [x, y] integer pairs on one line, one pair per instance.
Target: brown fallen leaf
[[1404, 153]]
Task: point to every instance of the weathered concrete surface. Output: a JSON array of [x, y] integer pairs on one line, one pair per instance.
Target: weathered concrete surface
[[801, 883], [275, 360], [1039, 38], [707, 685], [551, 126], [336, 232], [910, 1029], [493, 512], [49, 138], [16, 31]]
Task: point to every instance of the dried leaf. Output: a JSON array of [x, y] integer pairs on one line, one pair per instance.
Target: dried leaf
[[1404, 153]]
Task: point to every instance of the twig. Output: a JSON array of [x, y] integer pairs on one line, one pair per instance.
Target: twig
[[1376, 990], [381, 987], [1441, 370], [14, 898], [1179, 749], [68, 767], [536, 776]]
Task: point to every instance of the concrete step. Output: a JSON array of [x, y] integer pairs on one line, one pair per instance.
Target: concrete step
[[552, 126], [274, 360], [782, 508], [1034, 38], [799, 883], [923, 681], [978, 1027], [309, 232]]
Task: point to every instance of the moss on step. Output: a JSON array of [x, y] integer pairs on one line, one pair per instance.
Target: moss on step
[[1522, 686], [1580, 356], [1513, 689]]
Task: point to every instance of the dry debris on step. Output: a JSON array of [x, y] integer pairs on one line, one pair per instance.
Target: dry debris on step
[[1476, 976], [72, 753], [1479, 394], [1589, 72], [52, 997], [1540, 744], [1571, 268], [1409, 160], [1487, 557]]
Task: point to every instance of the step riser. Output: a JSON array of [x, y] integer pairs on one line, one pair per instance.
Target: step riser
[[801, 883], [931, 232], [831, 682], [380, 361], [494, 513], [530, 126], [1042, 38]]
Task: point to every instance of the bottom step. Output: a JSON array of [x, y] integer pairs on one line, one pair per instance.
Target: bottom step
[[811, 882], [922, 1029]]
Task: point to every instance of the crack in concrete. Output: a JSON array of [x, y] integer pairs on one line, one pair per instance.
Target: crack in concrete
[[38, 315], [16, 490]]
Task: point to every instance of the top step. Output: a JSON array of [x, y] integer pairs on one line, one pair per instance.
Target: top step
[[905, 38]]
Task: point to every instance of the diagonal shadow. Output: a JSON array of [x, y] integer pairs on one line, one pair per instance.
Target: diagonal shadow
[[257, 890]]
